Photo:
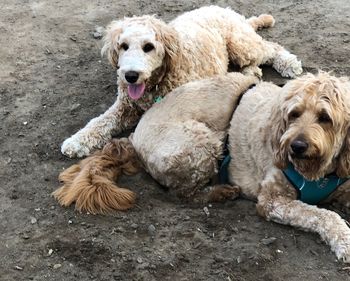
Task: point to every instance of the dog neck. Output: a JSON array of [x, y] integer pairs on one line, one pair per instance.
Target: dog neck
[[313, 192]]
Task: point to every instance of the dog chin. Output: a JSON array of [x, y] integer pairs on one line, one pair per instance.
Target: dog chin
[[308, 166]]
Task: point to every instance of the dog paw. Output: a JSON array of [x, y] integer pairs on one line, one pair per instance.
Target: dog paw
[[73, 147], [343, 253], [340, 243], [288, 65]]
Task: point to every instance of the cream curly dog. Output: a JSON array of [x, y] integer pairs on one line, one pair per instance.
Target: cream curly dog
[[153, 58], [178, 141], [301, 131]]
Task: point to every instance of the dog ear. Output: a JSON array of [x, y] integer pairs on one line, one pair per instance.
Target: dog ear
[[343, 168], [113, 31], [278, 124], [169, 37], [343, 165]]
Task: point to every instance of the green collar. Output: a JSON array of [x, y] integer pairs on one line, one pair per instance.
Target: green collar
[[313, 192], [158, 99]]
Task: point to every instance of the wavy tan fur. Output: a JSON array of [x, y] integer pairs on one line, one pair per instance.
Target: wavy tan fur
[[198, 44], [312, 108], [91, 183]]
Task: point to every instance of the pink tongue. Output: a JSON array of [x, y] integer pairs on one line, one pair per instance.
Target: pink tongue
[[136, 91]]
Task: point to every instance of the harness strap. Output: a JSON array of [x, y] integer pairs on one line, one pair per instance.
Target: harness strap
[[313, 192]]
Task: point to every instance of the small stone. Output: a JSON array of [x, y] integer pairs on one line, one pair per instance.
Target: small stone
[[151, 230], [98, 32], [75, 106], [206, 211], [25, 122], [26, 236], [57, 266], [97, 35], [134, 225], [70, 221], [33, 220], [268, 241], [139, 260], [50, 252], [18, 267], [187, 218]]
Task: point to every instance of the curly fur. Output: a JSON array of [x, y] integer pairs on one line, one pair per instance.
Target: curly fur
[[314, 109], [178, 141], [197, 44], [91, 183]]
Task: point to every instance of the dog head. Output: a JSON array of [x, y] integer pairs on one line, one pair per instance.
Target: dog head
[[142, 48], [311, 124]]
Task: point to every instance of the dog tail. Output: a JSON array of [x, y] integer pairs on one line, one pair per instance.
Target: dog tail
[[262, 21], [91, 182]]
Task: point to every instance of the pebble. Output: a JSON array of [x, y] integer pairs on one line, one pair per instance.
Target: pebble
[[206, 211], [187, 218], [33, 220], [18, 267], [50, 252], [134, 225], [75, 106], [151, 230], [97, 35], [57, 266], [139, 260], [98, 32], [268, 241]]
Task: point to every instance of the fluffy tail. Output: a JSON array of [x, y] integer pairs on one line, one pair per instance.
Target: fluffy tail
[[261, 21], [91, 182]]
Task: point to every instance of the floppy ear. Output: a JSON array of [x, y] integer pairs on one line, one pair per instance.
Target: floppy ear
[[343, 168], [170, 39], [113, 31], [278, 126]]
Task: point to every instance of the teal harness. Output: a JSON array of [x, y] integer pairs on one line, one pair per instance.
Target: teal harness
[[313, 192]]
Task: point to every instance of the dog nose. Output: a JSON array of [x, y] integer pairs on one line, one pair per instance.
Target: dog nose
[[299, 146], [131, 76]]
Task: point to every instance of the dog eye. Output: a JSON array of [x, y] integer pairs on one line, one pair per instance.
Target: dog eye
[[124, 46], [148, 47], [294, 115], [324, 118]]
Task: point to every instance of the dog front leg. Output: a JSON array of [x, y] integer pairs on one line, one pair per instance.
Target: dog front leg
[[328, 224], [120, 116]]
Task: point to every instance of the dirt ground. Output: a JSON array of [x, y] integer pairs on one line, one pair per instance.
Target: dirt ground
[[53, 80]]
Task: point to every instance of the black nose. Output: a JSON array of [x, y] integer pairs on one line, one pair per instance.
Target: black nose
[[299, 146], [131, 76]]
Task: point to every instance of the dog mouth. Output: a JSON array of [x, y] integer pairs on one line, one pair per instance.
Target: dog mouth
[[302, 156], [136, 91]]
